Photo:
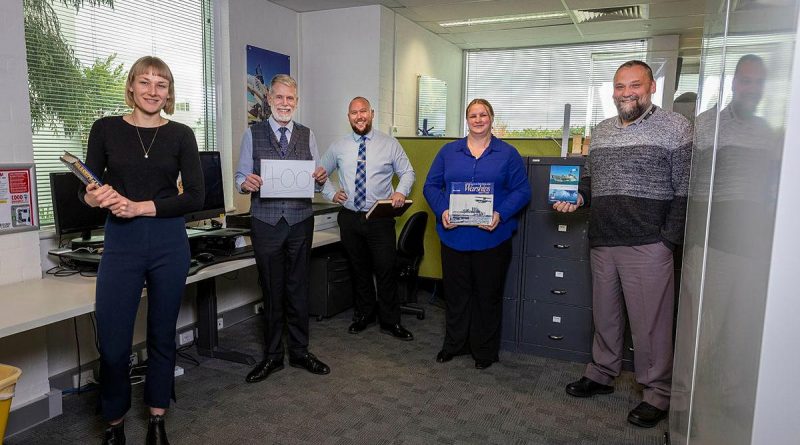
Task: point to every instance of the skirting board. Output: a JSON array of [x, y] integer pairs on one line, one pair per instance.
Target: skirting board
[[34, 412]]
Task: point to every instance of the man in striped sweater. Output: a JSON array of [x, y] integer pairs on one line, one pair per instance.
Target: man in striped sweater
[[636, 181]]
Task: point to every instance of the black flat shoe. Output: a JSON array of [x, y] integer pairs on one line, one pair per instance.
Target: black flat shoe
[[397, 331], [115, 434], [646, 415], [360, 323], [483, 364], [310, 363], [444, 356], [586, 387], [263, 370], [156, 433]]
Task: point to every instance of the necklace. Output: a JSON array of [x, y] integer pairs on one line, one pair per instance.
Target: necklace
[[146, 151]]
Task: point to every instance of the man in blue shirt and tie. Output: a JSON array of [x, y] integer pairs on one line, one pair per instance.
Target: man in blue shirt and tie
[[282, 231], [367, 160]]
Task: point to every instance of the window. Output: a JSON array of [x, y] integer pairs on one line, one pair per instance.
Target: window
[[528, 87], [79, 53]]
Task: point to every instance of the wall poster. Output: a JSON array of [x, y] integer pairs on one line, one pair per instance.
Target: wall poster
[[18, 198], [262, 65]]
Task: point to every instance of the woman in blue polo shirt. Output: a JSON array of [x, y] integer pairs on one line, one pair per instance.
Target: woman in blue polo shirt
[[475, 258]]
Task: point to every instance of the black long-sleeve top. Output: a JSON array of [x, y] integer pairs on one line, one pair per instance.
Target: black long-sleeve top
[[116, 155]]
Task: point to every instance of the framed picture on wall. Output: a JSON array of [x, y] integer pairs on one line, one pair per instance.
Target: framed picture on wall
[[262, 65]]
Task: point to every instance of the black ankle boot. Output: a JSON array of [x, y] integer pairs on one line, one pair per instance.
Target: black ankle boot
[[115, 434], [156, 434]]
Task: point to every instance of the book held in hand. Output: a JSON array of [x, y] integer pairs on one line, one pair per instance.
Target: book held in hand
[[564, 183], [79, 169], [471, 203], [383, 209]]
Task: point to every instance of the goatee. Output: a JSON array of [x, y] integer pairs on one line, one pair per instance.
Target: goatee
[[632, 113], [363, 132]]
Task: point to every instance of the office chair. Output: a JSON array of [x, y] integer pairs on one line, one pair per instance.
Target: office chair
[[410, 249]]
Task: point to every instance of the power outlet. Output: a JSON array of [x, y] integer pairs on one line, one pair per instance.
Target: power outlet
[[220, 324], [186, 337], [86, 377], [133, 360], [258, 308]]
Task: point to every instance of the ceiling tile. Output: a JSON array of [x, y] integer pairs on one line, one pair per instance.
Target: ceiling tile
[[492, 8]]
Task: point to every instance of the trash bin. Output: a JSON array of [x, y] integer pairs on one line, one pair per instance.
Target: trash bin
[[8, 380]]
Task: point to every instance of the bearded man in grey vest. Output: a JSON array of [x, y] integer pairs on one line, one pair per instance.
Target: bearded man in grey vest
[[282, 231]]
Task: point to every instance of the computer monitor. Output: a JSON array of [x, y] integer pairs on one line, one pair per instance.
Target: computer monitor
[[214, 204], [71, 215]]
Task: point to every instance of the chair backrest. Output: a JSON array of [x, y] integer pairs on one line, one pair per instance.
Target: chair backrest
[[412, 237]]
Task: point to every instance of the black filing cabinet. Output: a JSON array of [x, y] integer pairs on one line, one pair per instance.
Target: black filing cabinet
[[511, 292], [330, 286], [555, 318]]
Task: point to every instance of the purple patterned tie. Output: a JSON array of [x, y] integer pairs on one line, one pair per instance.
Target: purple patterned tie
[[283, 143], [361, 175]]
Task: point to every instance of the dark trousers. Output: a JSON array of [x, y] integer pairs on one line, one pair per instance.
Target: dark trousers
[[139, 250], [473, 291], [283, 255], [371, 247], [641, 280]]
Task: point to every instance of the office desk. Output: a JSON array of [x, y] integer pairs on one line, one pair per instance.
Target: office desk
[[35, 303]]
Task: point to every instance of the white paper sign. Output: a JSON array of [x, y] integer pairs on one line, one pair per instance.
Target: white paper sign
[[287, 179]]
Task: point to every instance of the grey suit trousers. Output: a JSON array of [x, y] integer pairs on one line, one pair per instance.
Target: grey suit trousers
[[642, 279]]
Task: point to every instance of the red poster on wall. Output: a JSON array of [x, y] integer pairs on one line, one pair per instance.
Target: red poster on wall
[[17, 195]]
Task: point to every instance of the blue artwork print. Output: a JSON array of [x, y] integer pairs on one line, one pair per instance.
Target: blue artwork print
[[262, 65]]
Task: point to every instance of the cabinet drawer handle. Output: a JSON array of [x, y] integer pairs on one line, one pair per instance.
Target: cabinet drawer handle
[[556, 337], [561, 246], [558, 292]]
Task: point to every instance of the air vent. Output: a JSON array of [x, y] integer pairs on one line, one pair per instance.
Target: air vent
[[634, 12]]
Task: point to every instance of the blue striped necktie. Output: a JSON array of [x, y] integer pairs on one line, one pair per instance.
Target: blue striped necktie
[[283, 143], [361, 175]]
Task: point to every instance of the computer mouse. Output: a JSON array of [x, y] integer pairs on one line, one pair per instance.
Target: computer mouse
[[205, 257]]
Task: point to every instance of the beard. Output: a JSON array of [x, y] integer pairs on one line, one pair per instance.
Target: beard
[[630, 111], [366, 129]]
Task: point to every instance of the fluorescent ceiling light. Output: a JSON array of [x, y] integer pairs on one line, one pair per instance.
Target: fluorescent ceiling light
[[506, 19]]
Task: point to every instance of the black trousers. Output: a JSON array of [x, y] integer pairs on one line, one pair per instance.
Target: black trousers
[[283, 255], [371, 249], [473, 291], [136, 250]]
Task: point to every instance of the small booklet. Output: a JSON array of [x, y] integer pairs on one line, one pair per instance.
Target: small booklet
[[383, 209], [79, 169], [564, 183], [471, 203]]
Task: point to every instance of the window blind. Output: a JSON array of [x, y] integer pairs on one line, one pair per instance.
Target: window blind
[[79, 53], [528, 87]]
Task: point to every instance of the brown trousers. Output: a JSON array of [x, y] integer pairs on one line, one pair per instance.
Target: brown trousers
[[641, 278]]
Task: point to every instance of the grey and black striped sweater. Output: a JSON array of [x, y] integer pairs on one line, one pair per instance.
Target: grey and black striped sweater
[[636, 180]]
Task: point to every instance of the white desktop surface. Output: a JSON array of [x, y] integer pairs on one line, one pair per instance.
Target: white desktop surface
[[35, 303]]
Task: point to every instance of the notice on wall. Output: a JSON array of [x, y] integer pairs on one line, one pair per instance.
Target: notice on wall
[[17, 199], [287, 179]]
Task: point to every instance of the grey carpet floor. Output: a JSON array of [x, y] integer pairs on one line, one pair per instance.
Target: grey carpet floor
[[380, 391]]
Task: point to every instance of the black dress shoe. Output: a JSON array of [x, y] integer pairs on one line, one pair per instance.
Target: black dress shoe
[[444, 356], [646, 415], [310, 363], [586, 387], [263, 370], [397, 331], [482, 363], [115, 434], [156, 434], [360, 323]]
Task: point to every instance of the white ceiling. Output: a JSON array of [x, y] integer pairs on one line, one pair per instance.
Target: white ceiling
[[666, 17]]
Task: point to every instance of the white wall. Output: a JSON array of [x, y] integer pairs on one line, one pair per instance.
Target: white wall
[[20, 252], [340, 54], [420, 52]]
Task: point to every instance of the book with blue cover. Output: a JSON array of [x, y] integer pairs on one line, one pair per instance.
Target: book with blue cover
[[564, 183], [79, 169], [471, 203]]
